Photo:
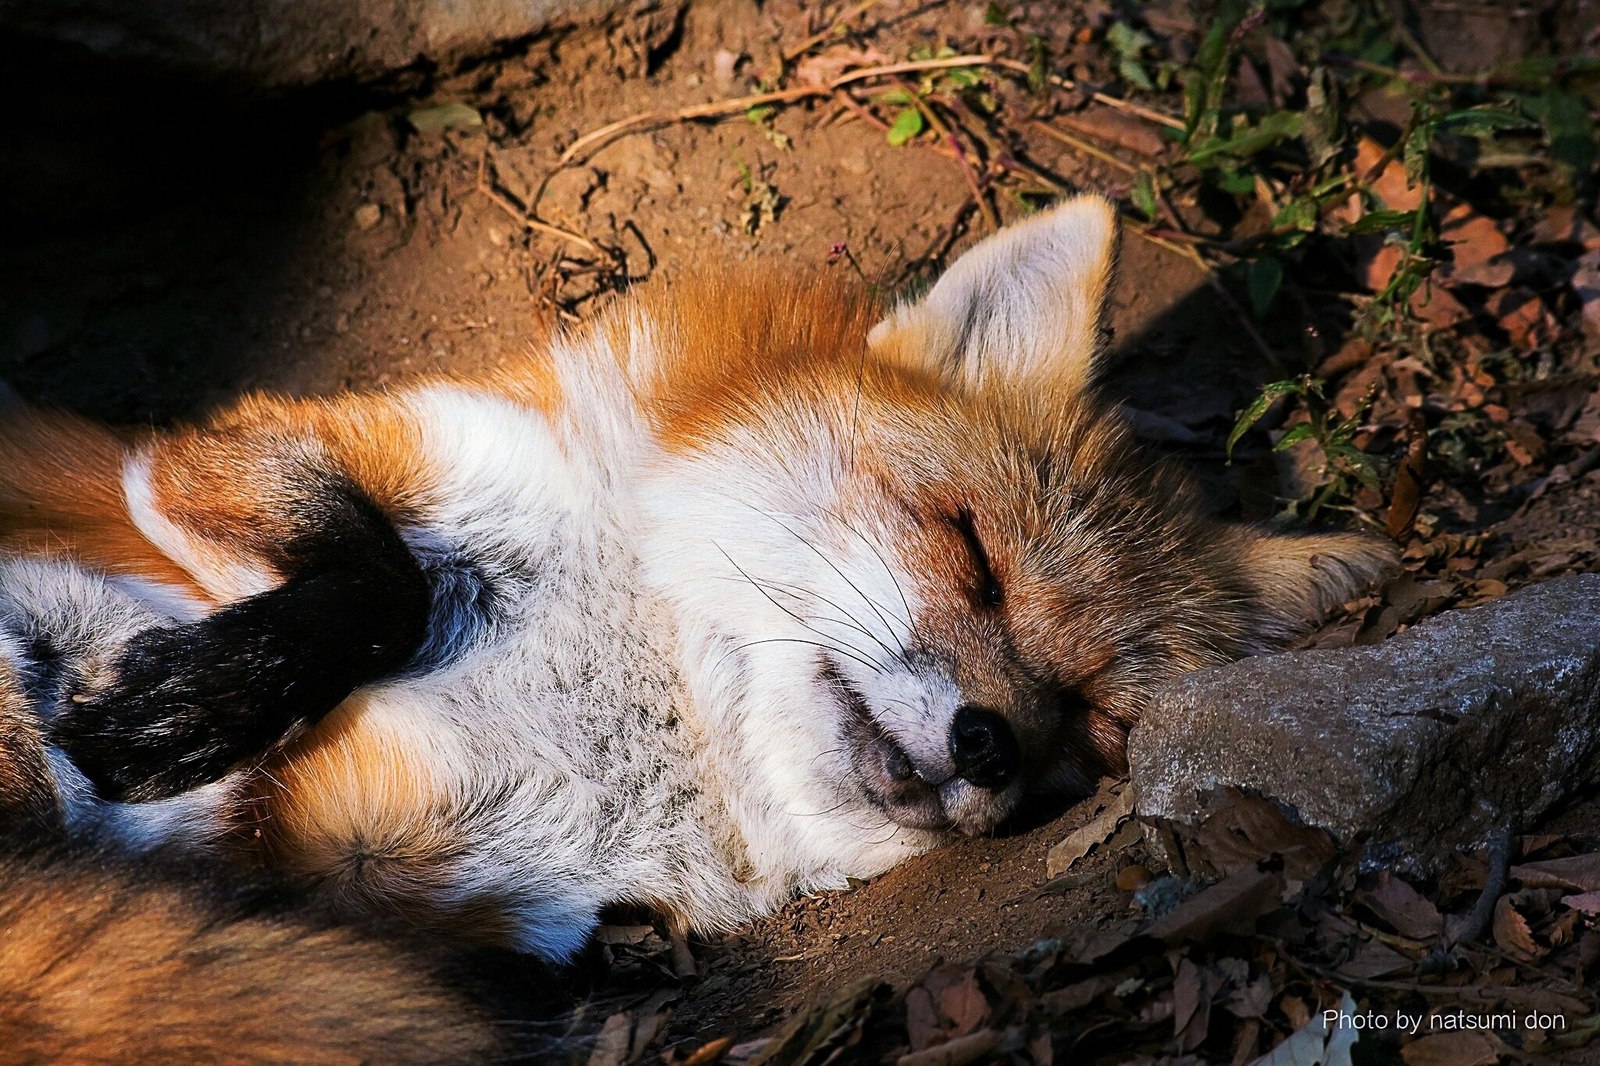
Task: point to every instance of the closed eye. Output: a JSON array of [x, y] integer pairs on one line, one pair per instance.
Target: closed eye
[[989, 591]]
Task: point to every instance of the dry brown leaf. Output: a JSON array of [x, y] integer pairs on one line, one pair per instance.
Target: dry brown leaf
[[1232, 905], [1192, 991], [1511, 932], [960, 1051], [1565, 224], [823, 67], [1588, 903], [612, 1044], [1586, 287], [1523, 316], [1251, 1000], [963, 1004], [1405, 496], [1078, 994], [1465, 1048], [1477, 247], [1576, 873], [1115, 803], [1373, 959], [1438, 307], [1113, 127], [922, 1018], [1239, 831], [1389, 183], [1402, 908]]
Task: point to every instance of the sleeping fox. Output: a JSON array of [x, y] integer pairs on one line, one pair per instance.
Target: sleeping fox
[[747, 588]]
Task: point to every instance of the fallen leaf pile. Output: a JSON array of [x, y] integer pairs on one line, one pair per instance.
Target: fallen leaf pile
[[1280, 953]]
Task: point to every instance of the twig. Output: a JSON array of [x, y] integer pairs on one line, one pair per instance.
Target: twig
[[1409, 39], [865, 115], [718, 108], [1157, 237], [1147, 113], [800, 49], [939, 247], [943, 129], [1085, 147], [486, 186], [1494, 886]]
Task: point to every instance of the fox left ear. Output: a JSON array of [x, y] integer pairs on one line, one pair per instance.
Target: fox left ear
[[1023, 306]]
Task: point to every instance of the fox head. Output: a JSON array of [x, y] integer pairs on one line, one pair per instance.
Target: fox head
[[919, 565]]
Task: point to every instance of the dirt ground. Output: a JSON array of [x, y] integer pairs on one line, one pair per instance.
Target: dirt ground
[[167, 248]]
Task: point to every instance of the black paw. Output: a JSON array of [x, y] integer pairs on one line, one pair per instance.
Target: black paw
[[184, 705], [173, 712]]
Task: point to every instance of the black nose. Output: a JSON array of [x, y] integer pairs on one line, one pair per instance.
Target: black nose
[[984, 748]]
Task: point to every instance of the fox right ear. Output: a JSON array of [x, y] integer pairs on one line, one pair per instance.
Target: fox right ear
[[1022, 307]]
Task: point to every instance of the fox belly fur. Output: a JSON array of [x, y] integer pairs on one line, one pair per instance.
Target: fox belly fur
[[748, 588]]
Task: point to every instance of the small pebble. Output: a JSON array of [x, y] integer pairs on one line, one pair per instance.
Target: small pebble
[[368, 216]]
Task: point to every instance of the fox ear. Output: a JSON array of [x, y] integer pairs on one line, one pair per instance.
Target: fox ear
[[1023, 306], [1300, 578]]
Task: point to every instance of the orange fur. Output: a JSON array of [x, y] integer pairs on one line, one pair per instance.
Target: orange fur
[[735, 343], [61, 493]]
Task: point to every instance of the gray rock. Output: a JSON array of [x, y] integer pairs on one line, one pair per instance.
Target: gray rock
[[269, 44], [1428, 742]]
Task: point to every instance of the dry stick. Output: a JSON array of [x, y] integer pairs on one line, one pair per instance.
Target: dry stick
[[1409, 39], [1147, 113], [817, 38], [971, 176], [485, 186], [781, 96], [1085, 147], [865, 115]]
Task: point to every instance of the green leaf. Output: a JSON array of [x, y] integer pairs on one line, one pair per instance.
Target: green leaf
[[1294, 435], [1273, 128], [1038, 63], [897, 96], [1130, 44], [1381, 222], [1415, 154], [1258, 408], [1569, 131], [995, 15], [1359, 464], [1127, 41], [1238, 182], [907, 124], [1144, 194], [1298, 214], [1322, 117], [1265, 276], [1480, 120], [1133, 72], [1206, 81]]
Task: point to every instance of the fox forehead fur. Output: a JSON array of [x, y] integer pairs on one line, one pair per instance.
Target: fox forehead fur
[[750, 587]]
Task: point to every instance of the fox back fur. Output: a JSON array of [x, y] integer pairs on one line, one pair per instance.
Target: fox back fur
[[747, 588]]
